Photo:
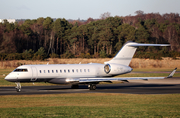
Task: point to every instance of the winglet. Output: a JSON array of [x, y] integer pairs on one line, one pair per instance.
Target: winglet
[[172, 73]]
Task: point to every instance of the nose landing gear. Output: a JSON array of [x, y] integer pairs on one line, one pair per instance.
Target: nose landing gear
[[18, 87]]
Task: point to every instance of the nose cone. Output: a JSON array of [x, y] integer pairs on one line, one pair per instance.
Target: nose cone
[[10, 77], [7, 78]]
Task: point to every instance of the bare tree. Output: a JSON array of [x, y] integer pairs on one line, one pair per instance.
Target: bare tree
[[105, 15], [139, 12]]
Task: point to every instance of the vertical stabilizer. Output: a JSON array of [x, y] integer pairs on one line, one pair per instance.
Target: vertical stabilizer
[[126, 53]]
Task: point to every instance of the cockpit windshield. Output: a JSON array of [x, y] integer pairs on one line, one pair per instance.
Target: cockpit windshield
[[20, 70]]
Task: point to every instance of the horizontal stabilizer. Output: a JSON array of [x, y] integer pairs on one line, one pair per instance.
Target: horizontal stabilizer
[[139, 44]]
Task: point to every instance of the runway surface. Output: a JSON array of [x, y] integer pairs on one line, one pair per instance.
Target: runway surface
[[165, 86]]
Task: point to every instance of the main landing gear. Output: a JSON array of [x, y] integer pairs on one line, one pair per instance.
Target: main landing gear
[[92, 86], [18, 87]]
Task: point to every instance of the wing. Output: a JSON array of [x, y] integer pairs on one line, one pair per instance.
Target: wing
[[92, 80], [89, 80]]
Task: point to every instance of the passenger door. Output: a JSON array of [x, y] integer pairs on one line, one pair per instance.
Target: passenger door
[[34, 74]]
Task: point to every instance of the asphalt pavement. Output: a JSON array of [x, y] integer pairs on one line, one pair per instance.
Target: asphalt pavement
[[165, 86]]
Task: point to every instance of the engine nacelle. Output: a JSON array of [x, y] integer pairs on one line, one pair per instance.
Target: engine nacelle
[[115, 69]]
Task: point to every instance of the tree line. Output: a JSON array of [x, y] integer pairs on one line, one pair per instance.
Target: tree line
[[43, 37]]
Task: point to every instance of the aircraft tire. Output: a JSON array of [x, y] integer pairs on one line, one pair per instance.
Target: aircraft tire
[[18, 89], [92, 87]]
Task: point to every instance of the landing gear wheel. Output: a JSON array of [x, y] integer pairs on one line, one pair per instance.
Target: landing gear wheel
[[18, 90], [75, 86], [18, 87], [92, 86]]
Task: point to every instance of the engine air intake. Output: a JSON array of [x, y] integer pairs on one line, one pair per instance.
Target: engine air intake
[[107, 68]]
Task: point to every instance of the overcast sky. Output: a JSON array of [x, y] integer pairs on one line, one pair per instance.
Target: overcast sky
[[83, 9]]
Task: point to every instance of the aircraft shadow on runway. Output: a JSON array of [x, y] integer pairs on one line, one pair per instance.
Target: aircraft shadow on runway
[[110, 86]]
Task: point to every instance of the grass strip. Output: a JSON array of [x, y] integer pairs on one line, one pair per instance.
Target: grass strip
[[90, 105]]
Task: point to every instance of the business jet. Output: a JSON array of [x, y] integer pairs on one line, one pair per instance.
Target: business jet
[[90, 74]]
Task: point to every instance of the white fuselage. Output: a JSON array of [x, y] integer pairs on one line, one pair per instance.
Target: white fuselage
[[60, 73], [75, 74]]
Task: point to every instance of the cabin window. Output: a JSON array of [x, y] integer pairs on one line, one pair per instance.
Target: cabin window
[[84, 70], [77, 70], [44, 71], [68, 71], [88, 70], [72, 70], [48, 71], [56, 71], [52, 71], [65, 71], [40, 71], [60, 71], [80, 70]]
